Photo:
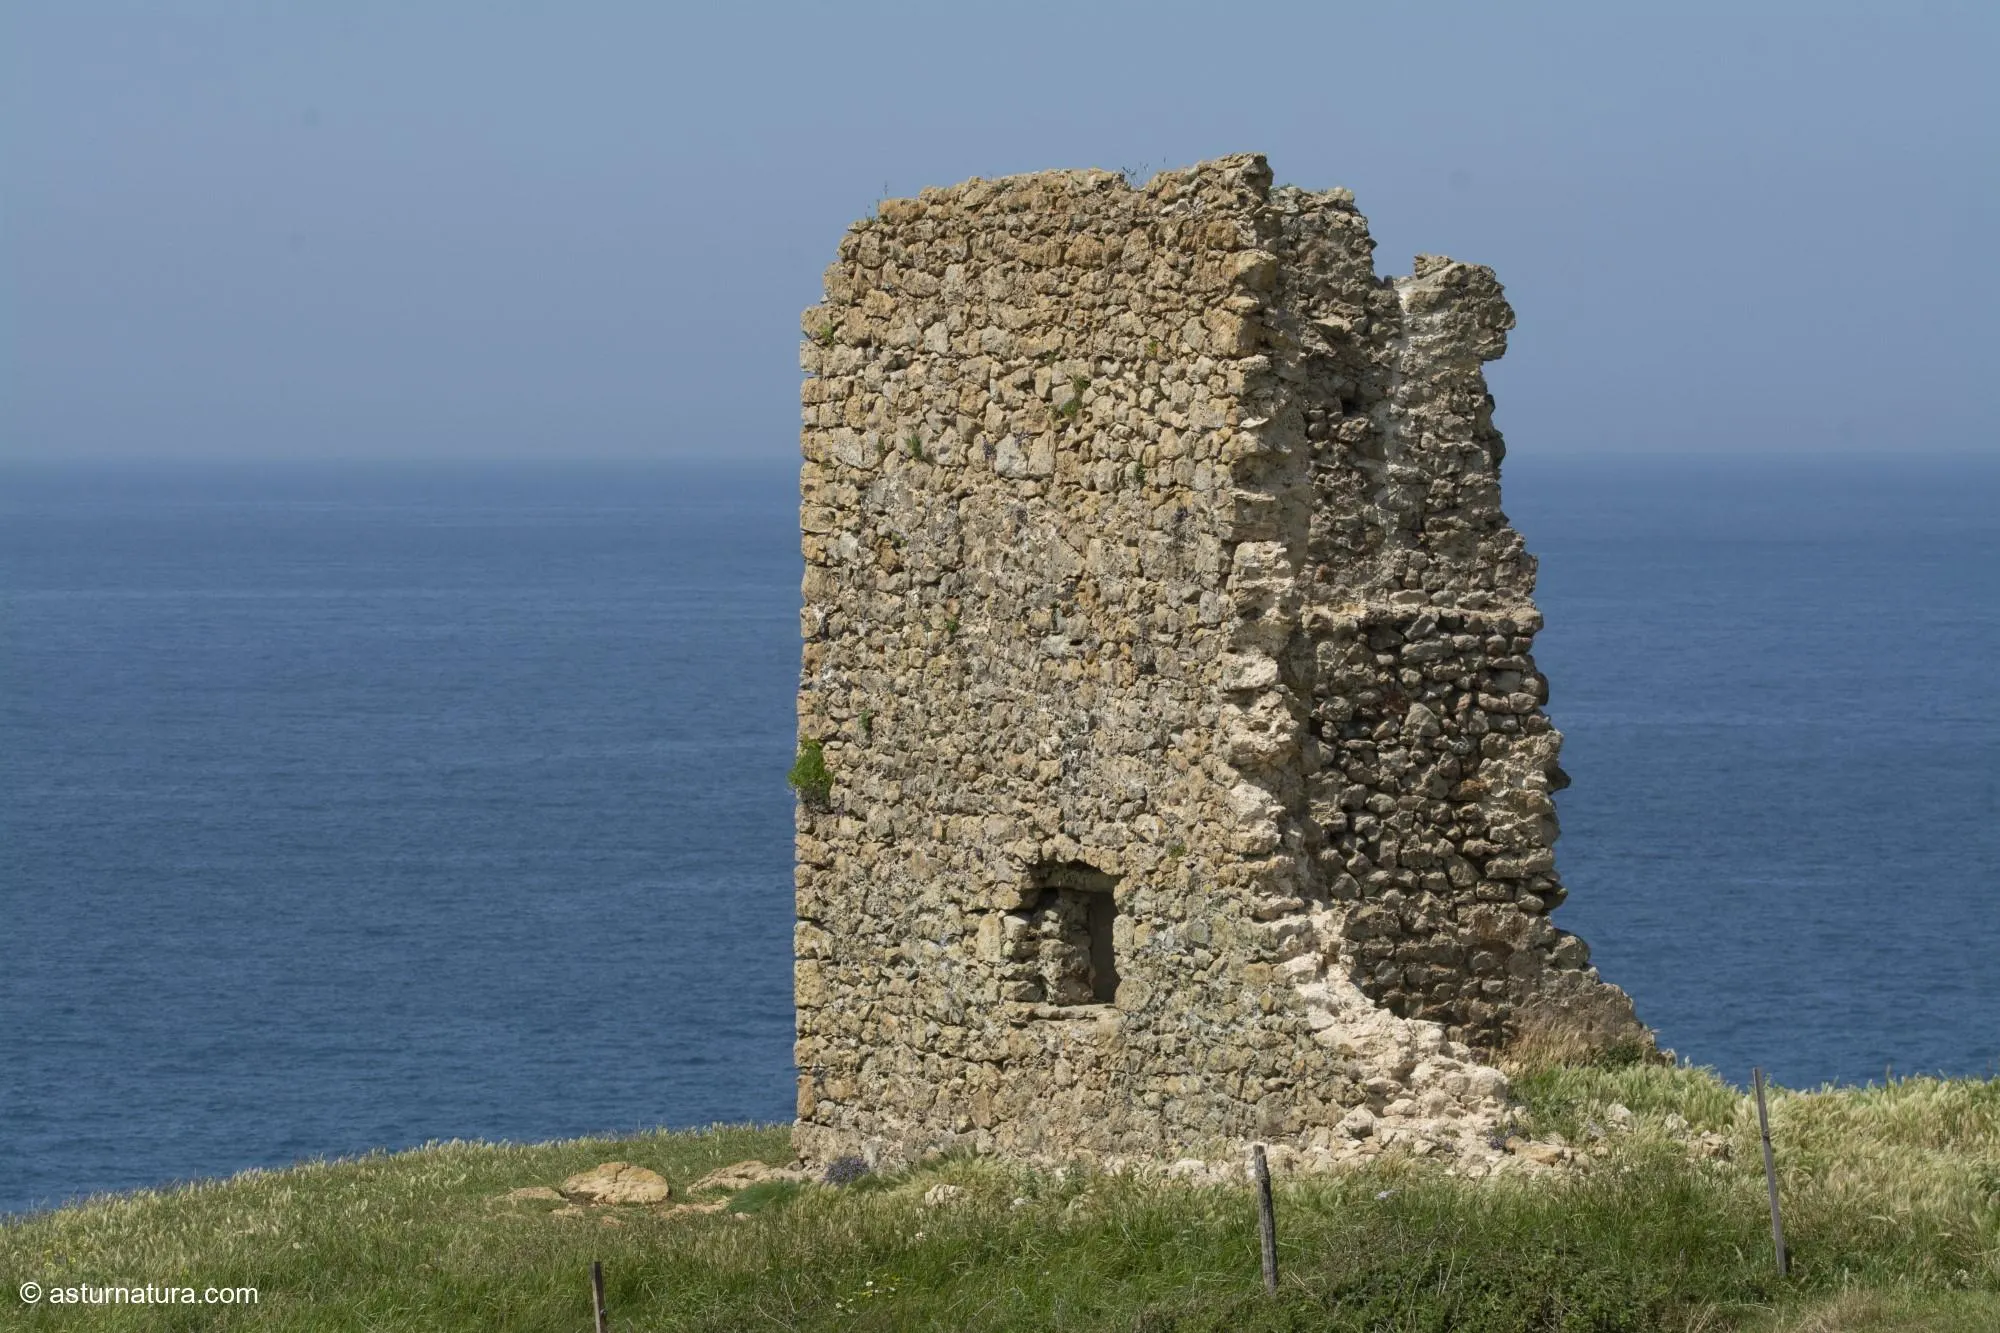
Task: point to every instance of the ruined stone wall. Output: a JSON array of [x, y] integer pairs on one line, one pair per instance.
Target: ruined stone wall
[[1168, 652]]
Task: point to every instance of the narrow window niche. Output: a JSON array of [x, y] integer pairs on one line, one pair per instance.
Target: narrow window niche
[[1072, 960]]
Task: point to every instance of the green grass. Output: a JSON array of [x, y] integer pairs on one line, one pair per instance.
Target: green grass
[[1892, 1198]]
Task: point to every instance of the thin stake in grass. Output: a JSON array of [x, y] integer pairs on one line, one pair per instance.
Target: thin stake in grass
[[1267, 1221], [597, 1296], [1771, 1176]]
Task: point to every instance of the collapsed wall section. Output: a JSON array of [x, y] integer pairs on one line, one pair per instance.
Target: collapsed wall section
[[1429, 765], [1118, 510]]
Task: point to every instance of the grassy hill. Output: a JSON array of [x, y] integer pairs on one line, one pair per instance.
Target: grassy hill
[[1891, 1195]]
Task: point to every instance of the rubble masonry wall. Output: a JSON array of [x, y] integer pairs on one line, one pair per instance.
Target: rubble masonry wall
[[1169, 653]]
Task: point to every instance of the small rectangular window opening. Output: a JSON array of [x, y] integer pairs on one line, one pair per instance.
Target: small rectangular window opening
[[1077, 910]]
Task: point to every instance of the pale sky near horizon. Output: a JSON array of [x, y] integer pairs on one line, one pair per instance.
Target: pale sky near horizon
[[446, 229]]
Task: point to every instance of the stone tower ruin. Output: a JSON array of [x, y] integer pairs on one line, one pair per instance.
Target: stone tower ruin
[[1186, 780]]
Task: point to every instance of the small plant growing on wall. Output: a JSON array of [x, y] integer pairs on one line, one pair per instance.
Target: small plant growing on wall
[[825, 335], [809, 776], [867, 723], [1072, 409], [915, 447]]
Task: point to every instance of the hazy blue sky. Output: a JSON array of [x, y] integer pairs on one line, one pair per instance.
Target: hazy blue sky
[[586, 229]]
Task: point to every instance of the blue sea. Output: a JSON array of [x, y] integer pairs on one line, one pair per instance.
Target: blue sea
[[354, 806]]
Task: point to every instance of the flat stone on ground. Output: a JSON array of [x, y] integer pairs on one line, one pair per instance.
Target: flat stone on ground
[[742, 1175], [617, 1182]]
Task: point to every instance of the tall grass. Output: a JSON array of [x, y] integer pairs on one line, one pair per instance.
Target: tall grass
[[1892, 1199]]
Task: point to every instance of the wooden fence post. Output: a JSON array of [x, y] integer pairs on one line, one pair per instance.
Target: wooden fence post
[[1267, 1222], [597, 1297], [1771, 1176]]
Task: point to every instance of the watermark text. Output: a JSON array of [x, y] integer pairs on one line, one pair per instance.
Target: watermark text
[[34, 1293]]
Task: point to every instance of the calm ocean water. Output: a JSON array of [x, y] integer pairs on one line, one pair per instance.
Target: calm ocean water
[[355, 806]]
